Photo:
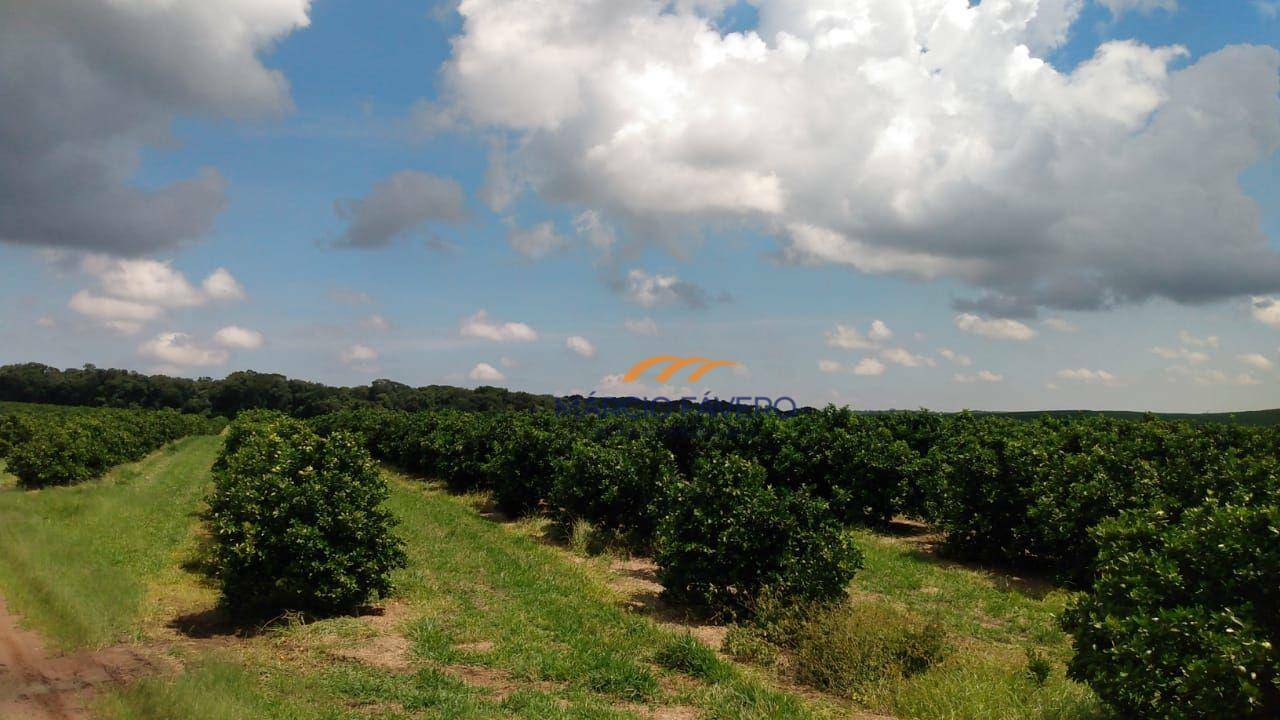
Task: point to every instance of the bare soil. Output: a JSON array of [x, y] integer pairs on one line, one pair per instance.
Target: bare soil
[[36, 684]]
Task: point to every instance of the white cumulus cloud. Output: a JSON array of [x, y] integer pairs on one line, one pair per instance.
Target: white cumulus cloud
[[484, 372], [179, 349], [581, 346], [1266, 310], [1061, 325], [1091, 377], [1257, 360], [234, 336], [869, 367], [905, 358], [995, 328], [955, 357], [928, 138], [981, 376], [358, 355], [1194, 357], [131, 292], [1189, 340], [480, 326]]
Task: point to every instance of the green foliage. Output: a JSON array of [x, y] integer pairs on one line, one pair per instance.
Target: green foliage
[[521, 468], [1182, 618], [70, 448], [982, 490], [857, 466], [619, 489], [728, 536], [297, 520], [853, 647]]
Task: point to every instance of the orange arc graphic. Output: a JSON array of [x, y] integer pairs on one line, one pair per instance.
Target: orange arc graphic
[[677, 364], [697, 375]]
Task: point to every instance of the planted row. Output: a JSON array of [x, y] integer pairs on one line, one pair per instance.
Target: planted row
[[298, 521], [1170, 528], [1019, 492], [70, 448], [721, 532]]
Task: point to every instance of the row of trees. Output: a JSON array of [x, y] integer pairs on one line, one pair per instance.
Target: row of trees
[[63, 448], [1169, 529], [239, 391]]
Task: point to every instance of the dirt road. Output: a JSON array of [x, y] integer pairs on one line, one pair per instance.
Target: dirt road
[[38, 685]]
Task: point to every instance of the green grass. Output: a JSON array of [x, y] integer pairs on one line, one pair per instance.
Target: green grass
[[992, 620], [489, 621], [78, 561], [494, 624]]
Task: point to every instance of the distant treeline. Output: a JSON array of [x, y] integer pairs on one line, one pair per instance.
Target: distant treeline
[[247, 390], [96, 387]]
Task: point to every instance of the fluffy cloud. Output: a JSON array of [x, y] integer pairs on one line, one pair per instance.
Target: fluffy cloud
[[925, 138], [536, 242], [590, 226], [955, 357], [981, 376], [1059, 325], [869, 367], [88, 303], [220, 285], [641, 326], [1257, 360], [480, 326], [905, 358], [175, 348], [484, 372], [581, 346], [995, 328], [1268, 9], [134, 291], [850, 338], [1266, 310], [234, 336], [1189, 340], [655, 290], [358, 355], [396, 207], [88, 84], [1194, 357], [1091, 377]]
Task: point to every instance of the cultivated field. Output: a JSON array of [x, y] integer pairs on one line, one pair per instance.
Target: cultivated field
[[544, 566]]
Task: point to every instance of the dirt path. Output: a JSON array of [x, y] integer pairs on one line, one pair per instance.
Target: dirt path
[[37, 685]]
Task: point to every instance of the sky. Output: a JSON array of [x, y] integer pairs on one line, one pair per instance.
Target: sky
[[1012, 204]]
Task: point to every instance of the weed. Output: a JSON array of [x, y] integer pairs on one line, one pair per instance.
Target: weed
[[857, 646]]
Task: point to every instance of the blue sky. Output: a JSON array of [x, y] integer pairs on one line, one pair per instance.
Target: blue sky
[[747, 256]]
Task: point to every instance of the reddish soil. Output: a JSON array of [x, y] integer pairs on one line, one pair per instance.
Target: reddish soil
[[38, 685]]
